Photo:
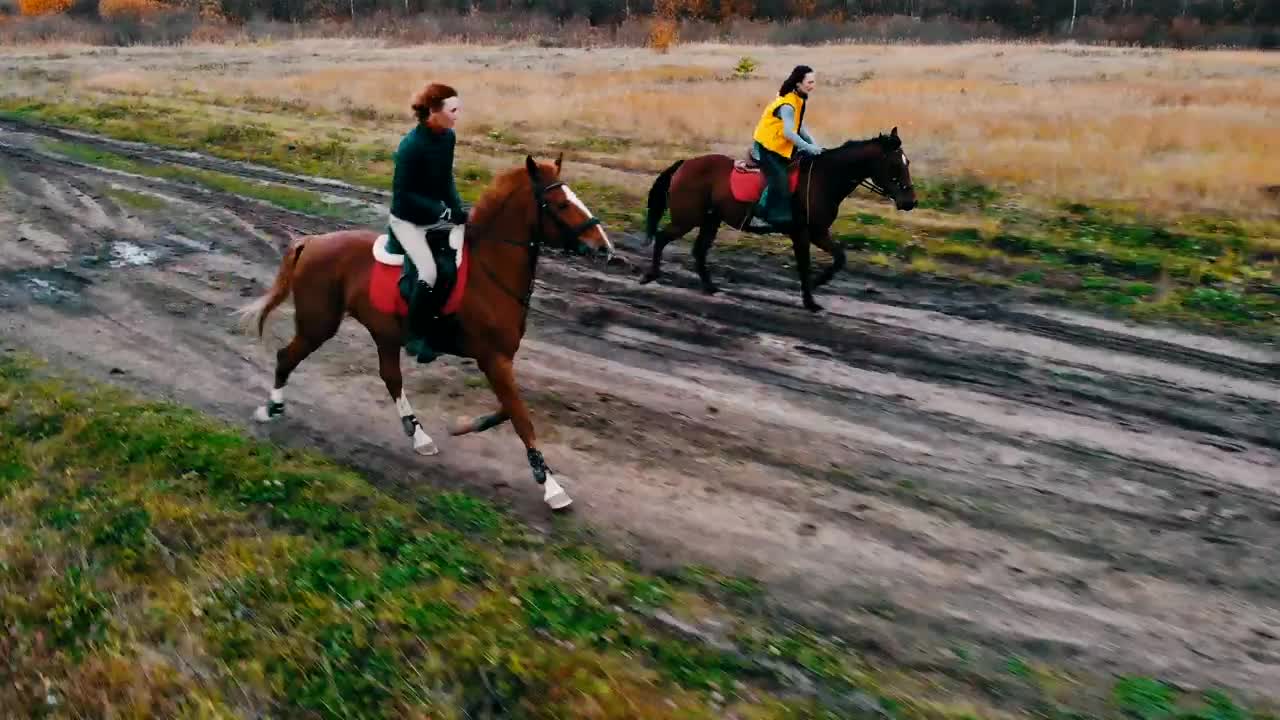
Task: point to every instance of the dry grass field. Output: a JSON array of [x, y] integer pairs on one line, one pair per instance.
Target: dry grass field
[[1165, 129]]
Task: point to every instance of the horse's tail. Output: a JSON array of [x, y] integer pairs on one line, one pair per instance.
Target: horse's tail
[[256, 312], [658, 200]]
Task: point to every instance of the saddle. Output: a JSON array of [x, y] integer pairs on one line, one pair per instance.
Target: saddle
[[747, 184], [426, 310], [747, 163]]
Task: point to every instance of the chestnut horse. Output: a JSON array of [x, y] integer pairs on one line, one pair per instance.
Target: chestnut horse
[[329, 278], [701, 194]]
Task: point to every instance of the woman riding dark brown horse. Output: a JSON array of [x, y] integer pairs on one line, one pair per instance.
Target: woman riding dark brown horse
[[707, 190], [329, 278]]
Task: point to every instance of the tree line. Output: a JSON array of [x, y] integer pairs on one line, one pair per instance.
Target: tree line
[[1192, 23], [1019, 17]]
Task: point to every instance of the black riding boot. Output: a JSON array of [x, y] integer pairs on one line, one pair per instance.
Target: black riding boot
[[418, 320]]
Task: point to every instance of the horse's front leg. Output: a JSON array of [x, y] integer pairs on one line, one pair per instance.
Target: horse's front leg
[[800, 244], [822, 239], [502, 379]]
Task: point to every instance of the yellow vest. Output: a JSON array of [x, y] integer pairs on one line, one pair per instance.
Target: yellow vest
[[769, 129]]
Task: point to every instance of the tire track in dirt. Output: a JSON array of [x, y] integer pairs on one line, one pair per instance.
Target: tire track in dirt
[[917, 467]]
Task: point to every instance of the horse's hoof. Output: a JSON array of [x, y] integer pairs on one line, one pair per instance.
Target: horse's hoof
[[461, 426], [263, 415], [423, 444], [648, 278], [812, 306], [554, 495], [710, 289]]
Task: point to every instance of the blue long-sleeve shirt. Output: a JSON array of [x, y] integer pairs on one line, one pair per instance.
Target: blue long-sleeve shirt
[[802, 139]]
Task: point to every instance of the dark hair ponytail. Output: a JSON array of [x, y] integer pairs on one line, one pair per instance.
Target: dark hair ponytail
[[794, 79]]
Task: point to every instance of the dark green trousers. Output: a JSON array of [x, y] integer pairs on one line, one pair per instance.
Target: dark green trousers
[[777, 199]]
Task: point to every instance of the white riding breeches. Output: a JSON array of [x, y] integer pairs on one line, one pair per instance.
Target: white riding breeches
[[413, 238]]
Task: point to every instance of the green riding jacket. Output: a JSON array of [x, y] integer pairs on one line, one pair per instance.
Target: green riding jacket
[[423, 185]]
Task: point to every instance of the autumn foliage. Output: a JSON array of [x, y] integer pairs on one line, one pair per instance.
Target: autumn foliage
[[118, 8], [43, 7]]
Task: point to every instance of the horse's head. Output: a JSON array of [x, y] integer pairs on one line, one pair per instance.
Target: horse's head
[[562, 217], [891, 173]]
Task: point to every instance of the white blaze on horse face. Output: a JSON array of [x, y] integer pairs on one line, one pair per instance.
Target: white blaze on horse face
[[573, 198], [422, 442]]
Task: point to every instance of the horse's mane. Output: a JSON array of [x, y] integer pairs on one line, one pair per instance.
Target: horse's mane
[[495, 197], [881, 139]]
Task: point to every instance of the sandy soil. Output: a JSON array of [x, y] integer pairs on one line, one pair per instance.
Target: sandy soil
[[925, 466]]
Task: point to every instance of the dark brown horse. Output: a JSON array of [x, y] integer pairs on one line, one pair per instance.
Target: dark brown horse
[[707, 190], [329, 278]]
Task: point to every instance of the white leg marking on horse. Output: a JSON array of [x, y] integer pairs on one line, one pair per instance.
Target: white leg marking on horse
[[573, 198], [554, 495], [263, 413], [422, 442]]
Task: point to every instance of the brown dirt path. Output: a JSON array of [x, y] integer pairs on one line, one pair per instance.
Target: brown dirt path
[[922, 466]]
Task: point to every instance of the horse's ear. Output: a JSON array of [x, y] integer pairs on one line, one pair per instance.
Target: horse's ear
[[559, 160], [531, 166], [894, 133]]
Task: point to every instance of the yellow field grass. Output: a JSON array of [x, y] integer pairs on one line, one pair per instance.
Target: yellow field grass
[[1169, 130]]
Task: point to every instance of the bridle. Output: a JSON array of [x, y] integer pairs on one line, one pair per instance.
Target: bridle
[[899, 185], [536, 240]]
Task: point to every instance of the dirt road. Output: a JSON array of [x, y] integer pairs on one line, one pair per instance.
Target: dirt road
[[921, 464]]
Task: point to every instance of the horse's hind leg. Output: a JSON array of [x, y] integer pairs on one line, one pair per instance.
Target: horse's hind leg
[[701, 246], [389, 368], [678, 228], [314, 325]]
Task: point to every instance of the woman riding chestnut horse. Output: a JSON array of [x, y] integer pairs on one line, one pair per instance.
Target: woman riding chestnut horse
[[328, 276]]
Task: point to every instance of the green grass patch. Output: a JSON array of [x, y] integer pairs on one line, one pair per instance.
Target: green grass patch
[[141, 525], [294, 199], [590, 142], [1218, 274], [1144, 698], [332, 156], [142, 120], [954, 194], [136, 200]]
